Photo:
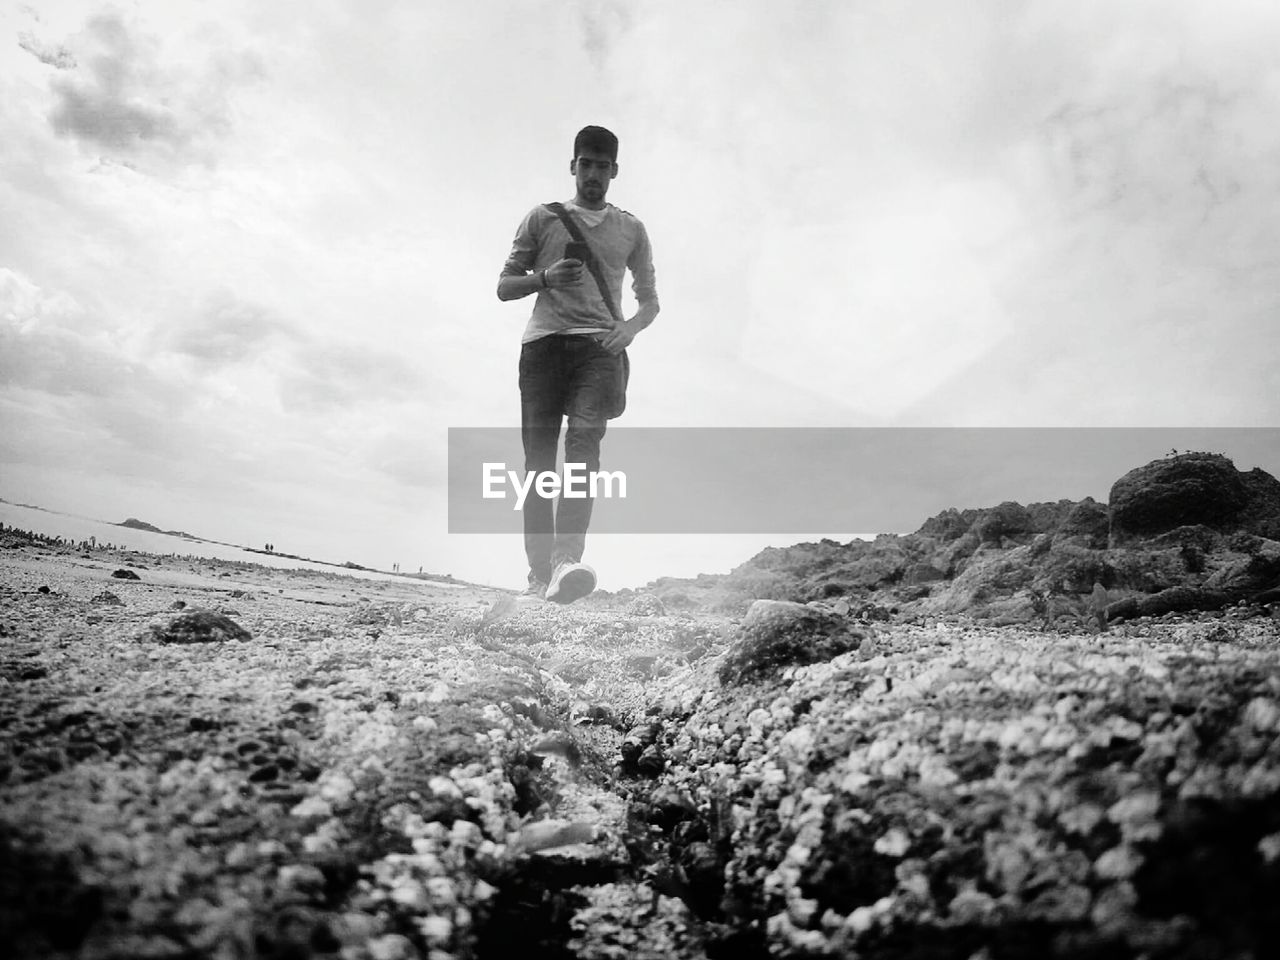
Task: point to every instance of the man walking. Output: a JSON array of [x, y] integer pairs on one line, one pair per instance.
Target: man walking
[[573, 361]]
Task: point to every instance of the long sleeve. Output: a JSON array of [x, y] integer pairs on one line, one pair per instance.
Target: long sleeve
[[644, 282], [524, 248]]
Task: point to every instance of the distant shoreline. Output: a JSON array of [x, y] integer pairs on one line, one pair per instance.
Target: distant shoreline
[[76, 541]]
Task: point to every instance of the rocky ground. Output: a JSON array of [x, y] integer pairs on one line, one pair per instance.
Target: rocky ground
[[1185, 532], [216, 760]]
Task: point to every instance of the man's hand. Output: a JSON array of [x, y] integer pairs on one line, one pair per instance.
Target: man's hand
[[619, 338], [564, 273]]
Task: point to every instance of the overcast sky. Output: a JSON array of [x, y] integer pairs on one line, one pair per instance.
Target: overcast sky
[[248, 251]]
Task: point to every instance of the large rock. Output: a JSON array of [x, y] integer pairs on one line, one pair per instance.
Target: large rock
[[1261, 514], [1064, 567], [1177, 491], [1006, 521], [950, 524], [200, 626], [1249, 573], [1190, 520], [1089, 521], [989, 575], [919, 573], [1174, 600], [801, 559], [883, 565], [778, 633]]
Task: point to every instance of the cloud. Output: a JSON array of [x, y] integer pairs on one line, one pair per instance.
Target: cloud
[[116, 101], [73, 396], [69, 399], [329, 374], [59, 362], [23, 302], [117, 95], [900, 198], [227, 330], [602, 22], [54, 55], [403, 454], [43, 349]]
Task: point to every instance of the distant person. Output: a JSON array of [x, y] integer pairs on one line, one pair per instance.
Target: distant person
[[573, 360]]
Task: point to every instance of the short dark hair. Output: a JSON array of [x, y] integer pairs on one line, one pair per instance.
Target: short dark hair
[[598, 139]]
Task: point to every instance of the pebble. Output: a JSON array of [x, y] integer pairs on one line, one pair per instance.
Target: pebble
[[554, 833], [1118, 863], [240, 855], [436, 929], [355, 929], [1263, 715], [392, 946], [411, 895]]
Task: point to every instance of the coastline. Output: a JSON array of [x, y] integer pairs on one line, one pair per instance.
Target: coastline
[[86, 534]]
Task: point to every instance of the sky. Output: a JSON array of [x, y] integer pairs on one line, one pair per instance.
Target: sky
[[248, 252]]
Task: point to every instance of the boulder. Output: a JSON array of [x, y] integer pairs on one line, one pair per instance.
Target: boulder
[[919, 573], [1067, 568], [1050, 517], [1003, 522], [956, 554], [1195, 536], [1174, 600], [862, 567], [1146, 570], [950, 524], [1088, 521], [990, 575], [779, 633], [1099, 600], [1010, 611], [1249, 573], [1261, 514], [1189, 488], [201, 626]]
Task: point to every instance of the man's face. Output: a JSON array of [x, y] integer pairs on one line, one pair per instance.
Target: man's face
[[592, 172]]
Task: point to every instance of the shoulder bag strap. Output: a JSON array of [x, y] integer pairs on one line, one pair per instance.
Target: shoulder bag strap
[[593, 264]]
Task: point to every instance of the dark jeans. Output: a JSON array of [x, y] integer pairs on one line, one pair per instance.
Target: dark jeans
[[562, 376]]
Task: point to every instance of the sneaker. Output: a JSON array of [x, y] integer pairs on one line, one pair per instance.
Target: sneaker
[[570, 582], [534, 593]]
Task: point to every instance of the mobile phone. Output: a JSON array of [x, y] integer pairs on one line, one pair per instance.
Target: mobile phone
[[578, 250]]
